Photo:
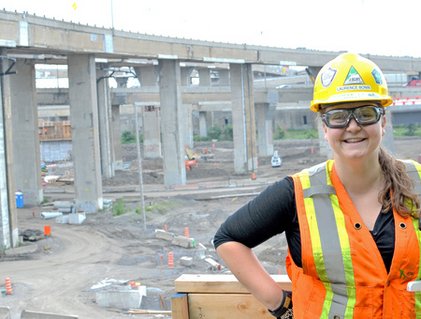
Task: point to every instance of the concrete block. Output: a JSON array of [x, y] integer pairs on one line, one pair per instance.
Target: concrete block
[[214, 265], [184, 242], [162, 234], [26, 314], [62, 219], [123, 298], [77, 218], [186, 261], [50, 215]]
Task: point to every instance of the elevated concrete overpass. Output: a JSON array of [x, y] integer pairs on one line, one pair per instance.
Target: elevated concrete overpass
[[48, 40], [89, 52]]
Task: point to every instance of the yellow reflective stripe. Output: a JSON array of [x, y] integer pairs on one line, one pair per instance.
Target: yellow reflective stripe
[[345, 246], [329, 168], [418, 167], [416, 222], [316, 244], [346, 257], [314, 228]]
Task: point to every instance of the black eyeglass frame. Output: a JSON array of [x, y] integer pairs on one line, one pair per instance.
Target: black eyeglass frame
[[351, 113]]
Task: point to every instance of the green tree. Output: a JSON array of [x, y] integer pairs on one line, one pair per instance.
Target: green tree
[[128, 137]]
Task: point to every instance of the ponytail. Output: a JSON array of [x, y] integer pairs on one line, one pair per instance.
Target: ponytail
[[399, 190]]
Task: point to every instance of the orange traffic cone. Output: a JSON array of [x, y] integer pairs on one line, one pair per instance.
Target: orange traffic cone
[[170, 259], [8, 284], [186, 232], [47, 230]]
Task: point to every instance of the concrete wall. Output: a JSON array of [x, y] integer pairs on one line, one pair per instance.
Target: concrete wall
[[54, 151]]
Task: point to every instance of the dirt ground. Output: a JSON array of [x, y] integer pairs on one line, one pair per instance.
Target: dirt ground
[[56, 274]]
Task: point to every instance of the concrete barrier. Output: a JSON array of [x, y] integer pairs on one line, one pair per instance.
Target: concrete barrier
[[121, 298]]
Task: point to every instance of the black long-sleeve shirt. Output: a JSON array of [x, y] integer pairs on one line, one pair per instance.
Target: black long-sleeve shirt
[[273, 212]]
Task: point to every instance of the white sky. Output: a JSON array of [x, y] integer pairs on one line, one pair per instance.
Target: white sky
[[385, 27]]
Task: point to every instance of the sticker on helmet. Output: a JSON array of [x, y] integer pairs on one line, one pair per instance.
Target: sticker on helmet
[[377, 76], [353, 77], [327, 77], [353, 88]]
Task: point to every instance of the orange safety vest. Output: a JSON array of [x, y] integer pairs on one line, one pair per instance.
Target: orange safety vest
[[343, 274]]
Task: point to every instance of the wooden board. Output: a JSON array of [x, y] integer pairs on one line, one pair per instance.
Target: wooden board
[[223, 306], [179, 306], [202, 283]]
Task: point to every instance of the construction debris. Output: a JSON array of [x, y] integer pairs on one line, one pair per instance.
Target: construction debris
[[177, 240], [162, 234], [119, 294], [32, 235], [186, 261], [50, 215], [183, 241], [214, 264]]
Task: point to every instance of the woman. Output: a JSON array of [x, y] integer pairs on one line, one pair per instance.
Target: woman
[[351, 223]]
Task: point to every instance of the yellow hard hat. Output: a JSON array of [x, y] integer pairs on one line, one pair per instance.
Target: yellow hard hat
[[349, 78]]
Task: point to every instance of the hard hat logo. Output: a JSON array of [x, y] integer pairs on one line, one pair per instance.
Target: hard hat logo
[[349, 78], [327, 77], [353, 77], [377, 76]]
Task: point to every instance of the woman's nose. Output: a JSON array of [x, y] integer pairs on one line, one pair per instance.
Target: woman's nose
[[353, 125]]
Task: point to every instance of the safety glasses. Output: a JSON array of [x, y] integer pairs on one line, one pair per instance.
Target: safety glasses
[[363, 115]]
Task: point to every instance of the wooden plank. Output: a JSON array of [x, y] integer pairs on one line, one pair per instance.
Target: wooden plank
[[179, 306], [223, 306], [203, 283]]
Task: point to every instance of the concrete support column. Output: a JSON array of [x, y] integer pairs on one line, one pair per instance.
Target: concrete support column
[[264, 129], [9, 233], [147, 75], [26, 148], [171, 122], [151, 132], [85, 132], [116, 134], [312, 72], [185, 73], [187, 127], [203, 127], [224, 77], [204, 77], [243, 118], [105, 130]]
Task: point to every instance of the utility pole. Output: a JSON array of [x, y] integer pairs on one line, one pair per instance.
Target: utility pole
[[139, 163], [112, 14]]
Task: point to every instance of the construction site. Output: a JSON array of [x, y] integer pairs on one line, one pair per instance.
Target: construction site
[[117, 264], [94, 227]]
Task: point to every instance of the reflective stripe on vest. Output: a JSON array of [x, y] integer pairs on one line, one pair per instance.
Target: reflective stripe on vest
[[331, 250], [414, 170]]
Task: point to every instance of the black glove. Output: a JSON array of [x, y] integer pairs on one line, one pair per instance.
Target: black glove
[[284, 311]]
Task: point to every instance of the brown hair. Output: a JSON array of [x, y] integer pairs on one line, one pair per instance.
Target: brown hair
[[399, 187]]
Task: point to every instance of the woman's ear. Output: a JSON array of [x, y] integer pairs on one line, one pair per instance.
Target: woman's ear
[[384, 120]]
